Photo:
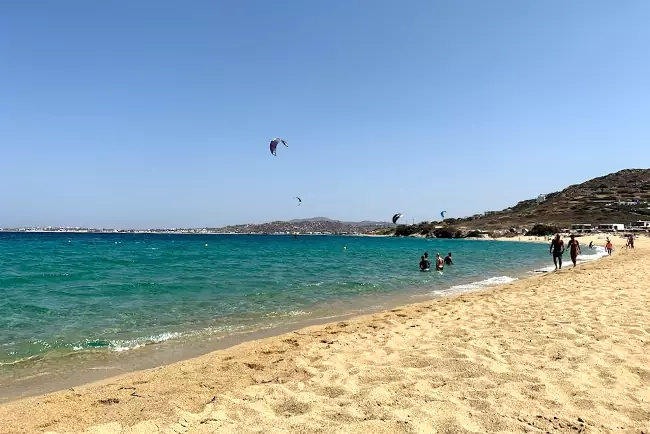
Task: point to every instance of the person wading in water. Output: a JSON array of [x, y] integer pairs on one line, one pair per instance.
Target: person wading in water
[[440, 265]]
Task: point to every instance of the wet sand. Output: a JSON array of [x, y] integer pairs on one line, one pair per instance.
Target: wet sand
[[561, 352]]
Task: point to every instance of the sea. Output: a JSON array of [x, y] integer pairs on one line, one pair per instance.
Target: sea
[[80, 307]]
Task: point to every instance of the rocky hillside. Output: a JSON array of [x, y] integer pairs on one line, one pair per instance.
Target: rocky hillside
[[620, 197], [316, 225]]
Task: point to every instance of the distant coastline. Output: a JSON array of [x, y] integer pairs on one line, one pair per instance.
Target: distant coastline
[[185, 232], [595, 203], [314, 226]]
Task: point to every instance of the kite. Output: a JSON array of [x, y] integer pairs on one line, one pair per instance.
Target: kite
[[397, 217], [274, 144], [299, 200]]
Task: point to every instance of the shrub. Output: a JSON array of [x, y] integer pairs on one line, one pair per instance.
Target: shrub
[[405, 231], [540, 230], [448, 232]]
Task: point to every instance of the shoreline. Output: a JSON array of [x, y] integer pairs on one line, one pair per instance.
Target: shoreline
[[156, 354], [236, 372]]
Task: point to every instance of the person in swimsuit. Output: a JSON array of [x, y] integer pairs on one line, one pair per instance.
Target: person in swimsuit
[[574, 249], [609, 247], [557, 249], [426, 258], [448, 260], [424, 264], [591, 244], [440, 265]]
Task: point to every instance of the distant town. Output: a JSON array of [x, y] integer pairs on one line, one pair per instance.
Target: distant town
[[315, 226], [333, 227]]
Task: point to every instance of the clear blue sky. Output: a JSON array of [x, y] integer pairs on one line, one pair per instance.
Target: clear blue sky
[[159, 113]]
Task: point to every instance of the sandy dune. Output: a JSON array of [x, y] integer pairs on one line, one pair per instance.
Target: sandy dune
[[565, 352]]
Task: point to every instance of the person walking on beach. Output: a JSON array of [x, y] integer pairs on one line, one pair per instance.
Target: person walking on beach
[[448, 260], [609, 247], [630, 241], [557, 249], [574, 250], [440, 265]]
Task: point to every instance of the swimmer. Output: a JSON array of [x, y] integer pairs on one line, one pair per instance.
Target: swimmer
[[448, 260], [424, 264], [440, 265]]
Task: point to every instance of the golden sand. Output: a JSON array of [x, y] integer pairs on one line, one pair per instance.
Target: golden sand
[[564, 352]]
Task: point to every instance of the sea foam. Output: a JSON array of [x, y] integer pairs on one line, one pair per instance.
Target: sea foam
[[473, 286]]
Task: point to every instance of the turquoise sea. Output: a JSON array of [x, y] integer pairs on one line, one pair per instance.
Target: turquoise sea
[[82, 302]]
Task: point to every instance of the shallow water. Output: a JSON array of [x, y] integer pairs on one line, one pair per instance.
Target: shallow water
[[71, 297]]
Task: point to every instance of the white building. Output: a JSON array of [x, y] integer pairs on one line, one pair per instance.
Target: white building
[[612, 227], [641, 224], [541, 198], [582, 228]]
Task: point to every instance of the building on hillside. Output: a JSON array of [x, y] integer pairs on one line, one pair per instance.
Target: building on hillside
[[611, 227], [582, 228], [640, 225], [541, 198], [487, 213]]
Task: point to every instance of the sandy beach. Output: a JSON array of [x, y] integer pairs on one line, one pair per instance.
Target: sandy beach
[[560, 352]]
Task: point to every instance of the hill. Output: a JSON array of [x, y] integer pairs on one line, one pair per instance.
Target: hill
[[316, 225], [621, 197], [312, 219], [364, 224]]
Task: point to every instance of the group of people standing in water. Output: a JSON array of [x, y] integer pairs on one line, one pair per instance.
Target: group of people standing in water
[[557, 249], [425, 263]]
